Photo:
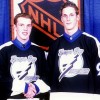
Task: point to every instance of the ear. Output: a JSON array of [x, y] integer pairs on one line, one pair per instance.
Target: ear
[[15, 32], [14, 27], [61, 19], [78, 17]]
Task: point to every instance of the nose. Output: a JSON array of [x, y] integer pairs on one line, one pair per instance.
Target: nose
[[68, 17], [25, 27]]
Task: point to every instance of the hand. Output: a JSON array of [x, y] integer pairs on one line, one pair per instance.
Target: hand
[[31, 91]]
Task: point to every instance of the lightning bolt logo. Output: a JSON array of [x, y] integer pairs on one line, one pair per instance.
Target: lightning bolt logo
[[67, 69], [25, 72]]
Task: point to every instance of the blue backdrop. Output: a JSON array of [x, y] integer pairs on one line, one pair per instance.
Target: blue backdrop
[[91, 17], [4, 21]]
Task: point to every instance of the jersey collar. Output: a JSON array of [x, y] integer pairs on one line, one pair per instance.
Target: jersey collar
[[21, 46], [73, 37]]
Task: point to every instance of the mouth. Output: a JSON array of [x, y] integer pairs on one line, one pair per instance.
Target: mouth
[[68, 23], [24, 33]]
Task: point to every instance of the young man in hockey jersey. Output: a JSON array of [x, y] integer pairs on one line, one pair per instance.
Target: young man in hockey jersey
[[73, 57], [22, 63]]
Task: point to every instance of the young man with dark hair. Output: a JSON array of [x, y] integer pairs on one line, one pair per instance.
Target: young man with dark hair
[[73, 57], [22, 63]]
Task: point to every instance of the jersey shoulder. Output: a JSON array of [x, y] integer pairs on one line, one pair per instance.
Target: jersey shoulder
[[6, 44]]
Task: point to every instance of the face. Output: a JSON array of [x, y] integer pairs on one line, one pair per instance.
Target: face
[[23, 29], [69, 19]]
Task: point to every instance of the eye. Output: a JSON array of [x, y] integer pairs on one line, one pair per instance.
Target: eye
[[29, 25], [20, 24], [64, 15], [71, 14]]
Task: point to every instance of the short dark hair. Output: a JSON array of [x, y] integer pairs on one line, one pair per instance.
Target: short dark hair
[[69, 4], [25, 15]]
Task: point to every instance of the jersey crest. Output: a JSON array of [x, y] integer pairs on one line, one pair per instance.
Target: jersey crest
[[71, 63], [23, 68]]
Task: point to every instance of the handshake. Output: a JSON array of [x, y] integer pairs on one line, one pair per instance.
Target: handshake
[[30, 90]]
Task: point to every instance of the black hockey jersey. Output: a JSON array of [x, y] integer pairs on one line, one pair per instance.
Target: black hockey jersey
[[21, 62], [72, 62]]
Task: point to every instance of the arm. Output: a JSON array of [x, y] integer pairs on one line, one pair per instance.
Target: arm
[[41, 83]]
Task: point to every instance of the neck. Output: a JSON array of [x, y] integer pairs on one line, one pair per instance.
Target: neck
[[23, 41], [71, 32]]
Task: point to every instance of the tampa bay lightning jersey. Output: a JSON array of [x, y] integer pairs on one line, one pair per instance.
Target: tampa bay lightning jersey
[[23, 62], [72, 62]]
